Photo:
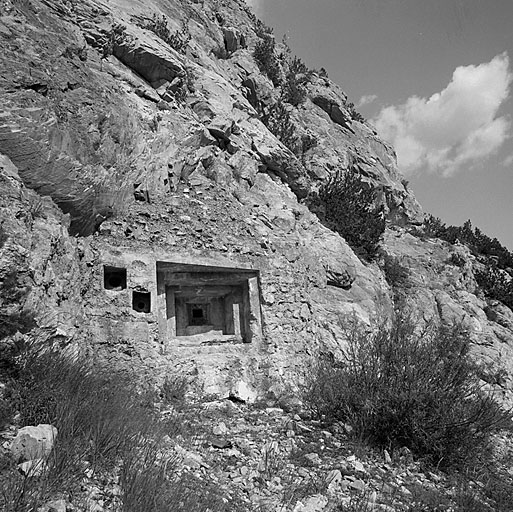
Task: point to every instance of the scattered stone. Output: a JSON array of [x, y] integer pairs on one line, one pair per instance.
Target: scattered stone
[[358, 485], [315, 503], [313, 458], [220, 430], [358, 466], [33, 442], [333, 478], [54, 506], [221, 444]]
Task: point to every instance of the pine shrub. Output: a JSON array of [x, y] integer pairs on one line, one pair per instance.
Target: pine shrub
[[177, 40], [278, 121], [296, 78], [350, 209], [496, 284], [395, 273], [265, 57]]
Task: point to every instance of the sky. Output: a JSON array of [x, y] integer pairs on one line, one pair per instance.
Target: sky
[[435, 78]]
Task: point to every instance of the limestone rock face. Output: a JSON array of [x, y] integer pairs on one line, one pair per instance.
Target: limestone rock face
[[146, 54], [437, 289], [127, 166]]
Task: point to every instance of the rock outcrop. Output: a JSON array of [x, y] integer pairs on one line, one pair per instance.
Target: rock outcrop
[[159, 156]]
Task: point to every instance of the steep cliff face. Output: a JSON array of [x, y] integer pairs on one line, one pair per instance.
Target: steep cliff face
[[176, 189]]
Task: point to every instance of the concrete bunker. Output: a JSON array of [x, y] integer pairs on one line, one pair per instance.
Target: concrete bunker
[[208, 303]]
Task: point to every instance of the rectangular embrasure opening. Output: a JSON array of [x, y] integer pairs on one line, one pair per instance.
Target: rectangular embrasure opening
[[114, 278], [211, 303], [141, 302]]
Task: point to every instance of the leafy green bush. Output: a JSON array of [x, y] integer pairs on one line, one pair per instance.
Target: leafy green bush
[[398, 387], [350, 209], [265, 57]]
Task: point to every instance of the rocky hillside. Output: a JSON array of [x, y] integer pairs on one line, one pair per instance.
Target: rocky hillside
[[144, 139]]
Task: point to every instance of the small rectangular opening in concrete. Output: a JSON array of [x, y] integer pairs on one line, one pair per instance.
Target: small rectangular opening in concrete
[[207, 302], [141, 302], [114, 278]]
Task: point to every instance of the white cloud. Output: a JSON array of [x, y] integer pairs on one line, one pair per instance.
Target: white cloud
[[455, 128], [367, 99], [508, 161]]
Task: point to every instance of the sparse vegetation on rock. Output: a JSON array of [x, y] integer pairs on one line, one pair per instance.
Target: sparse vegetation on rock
[[497, 284], [264, 54], [293, 88], [279, 122], [473, 237], [178, 40], [496, 278], [355, 115]]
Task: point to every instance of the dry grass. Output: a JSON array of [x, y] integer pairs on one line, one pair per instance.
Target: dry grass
[[107, 427]]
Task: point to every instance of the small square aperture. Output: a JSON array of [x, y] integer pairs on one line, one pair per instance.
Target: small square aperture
[[114, 278], [141, 302]]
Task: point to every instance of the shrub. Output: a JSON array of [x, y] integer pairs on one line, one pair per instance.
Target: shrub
[[177, 40], [354, 114], [474, 238], [457, 259], [114, 36], [323, 73], [277, 119], [184, 86], [395, 273], [266, 59], [261, 29], [350, 209], [496, 284], [12, 317], [100, 409], [298, 75], [150, 481], [398, 387]]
